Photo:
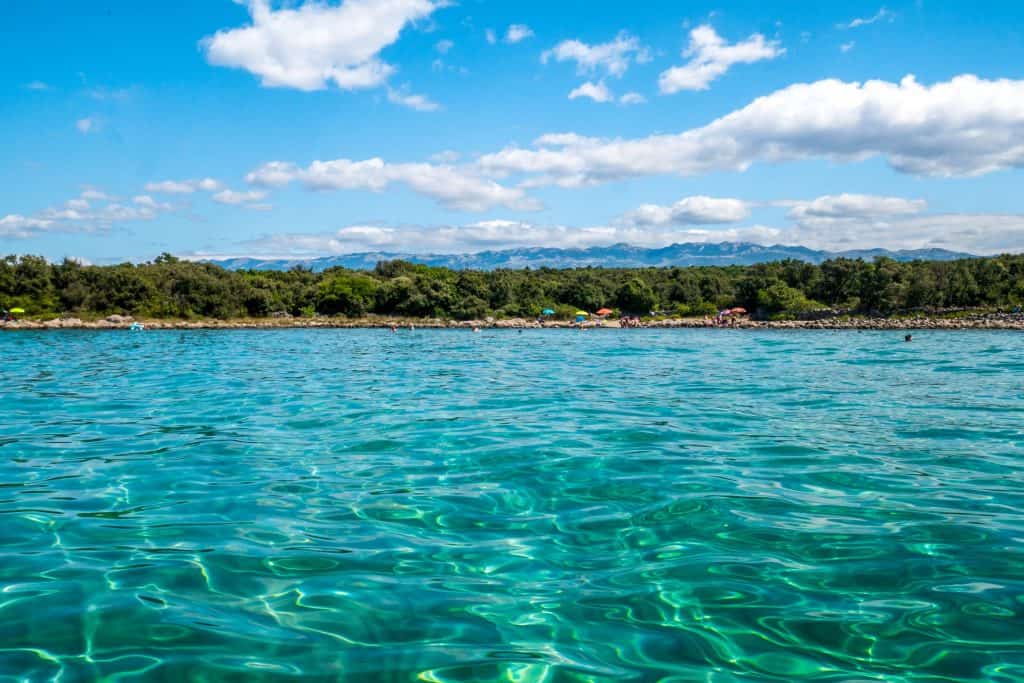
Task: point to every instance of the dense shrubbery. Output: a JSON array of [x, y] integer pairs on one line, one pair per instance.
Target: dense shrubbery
[[171, 288]]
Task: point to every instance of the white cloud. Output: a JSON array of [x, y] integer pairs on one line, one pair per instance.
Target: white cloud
[[87, 125], [37, 85], [517, 33], [491, 36], [184, 186], [971, 233], [852, 206], [235, 198], [596, 91], [79, 215], [962, 127], [274, 174], [91, 193], [881, 15], [144, 200], [711, 57], [444, 46], [405, 98], [483, 235], [20, 227], [697, 210], [612, 58], [452, 187], [314, 44], [632, 98], [846, 47]]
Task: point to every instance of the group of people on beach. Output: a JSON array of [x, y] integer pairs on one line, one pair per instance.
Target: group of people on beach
[[720, 321]]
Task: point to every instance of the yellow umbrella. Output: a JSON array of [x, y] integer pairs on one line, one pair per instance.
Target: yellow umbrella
[[582, 313], [17, 310]]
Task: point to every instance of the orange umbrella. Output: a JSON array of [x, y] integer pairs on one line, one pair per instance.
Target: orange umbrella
[[741, 311], [604, 311]]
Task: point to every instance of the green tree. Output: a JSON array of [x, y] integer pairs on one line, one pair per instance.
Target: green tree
[[346, 293], [637, 297]]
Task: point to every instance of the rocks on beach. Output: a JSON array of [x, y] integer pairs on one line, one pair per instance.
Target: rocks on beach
[[979, 321]]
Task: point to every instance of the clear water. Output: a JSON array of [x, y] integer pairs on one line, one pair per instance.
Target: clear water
[[542, 506]]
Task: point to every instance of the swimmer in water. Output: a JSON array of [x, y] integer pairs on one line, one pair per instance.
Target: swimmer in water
[[908, 338]]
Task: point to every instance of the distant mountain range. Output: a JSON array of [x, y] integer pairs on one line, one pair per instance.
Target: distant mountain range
[[615, 256]]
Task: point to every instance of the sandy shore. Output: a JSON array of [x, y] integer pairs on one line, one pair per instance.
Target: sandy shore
[[979, 321]]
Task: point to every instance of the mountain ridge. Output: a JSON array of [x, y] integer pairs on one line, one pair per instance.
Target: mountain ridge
[[614, 256]]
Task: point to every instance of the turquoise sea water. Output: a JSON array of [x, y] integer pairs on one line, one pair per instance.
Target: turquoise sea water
[[707, 505]]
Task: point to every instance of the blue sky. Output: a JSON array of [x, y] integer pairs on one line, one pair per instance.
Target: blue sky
[[213, 127]]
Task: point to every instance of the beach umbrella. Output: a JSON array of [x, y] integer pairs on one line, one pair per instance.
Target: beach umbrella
[[583, 313], [17, 310], [604, 311], [547, 311], [740, 311], [725, 312]]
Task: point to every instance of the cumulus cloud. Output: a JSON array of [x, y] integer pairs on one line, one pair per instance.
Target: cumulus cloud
[[852, 207], [963, 127], [16, 226], [184, 186], [611, 59], [710, 57], [87, 125], [881, 15], [79, 214], [697, 210], [405, 98], [91, 193], [846, 47], [148, 202], [315, 44], [452, 187], [491, 36], [972, 233], [632, 98], [517, 33], [595, 91], [234, 198]]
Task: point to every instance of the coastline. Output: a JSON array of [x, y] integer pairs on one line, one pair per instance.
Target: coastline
[[980, 321]]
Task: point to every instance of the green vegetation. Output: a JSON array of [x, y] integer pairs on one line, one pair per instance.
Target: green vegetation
[[171, 288]]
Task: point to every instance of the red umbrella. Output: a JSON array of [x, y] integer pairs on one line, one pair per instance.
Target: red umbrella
[[604, 311]]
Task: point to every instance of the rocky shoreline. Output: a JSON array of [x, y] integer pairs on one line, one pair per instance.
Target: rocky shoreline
[[979, 321]]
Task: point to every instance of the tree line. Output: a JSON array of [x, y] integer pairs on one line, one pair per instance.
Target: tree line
[[169, 287]]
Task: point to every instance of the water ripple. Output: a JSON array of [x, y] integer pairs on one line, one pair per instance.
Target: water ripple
[[544, 505]]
